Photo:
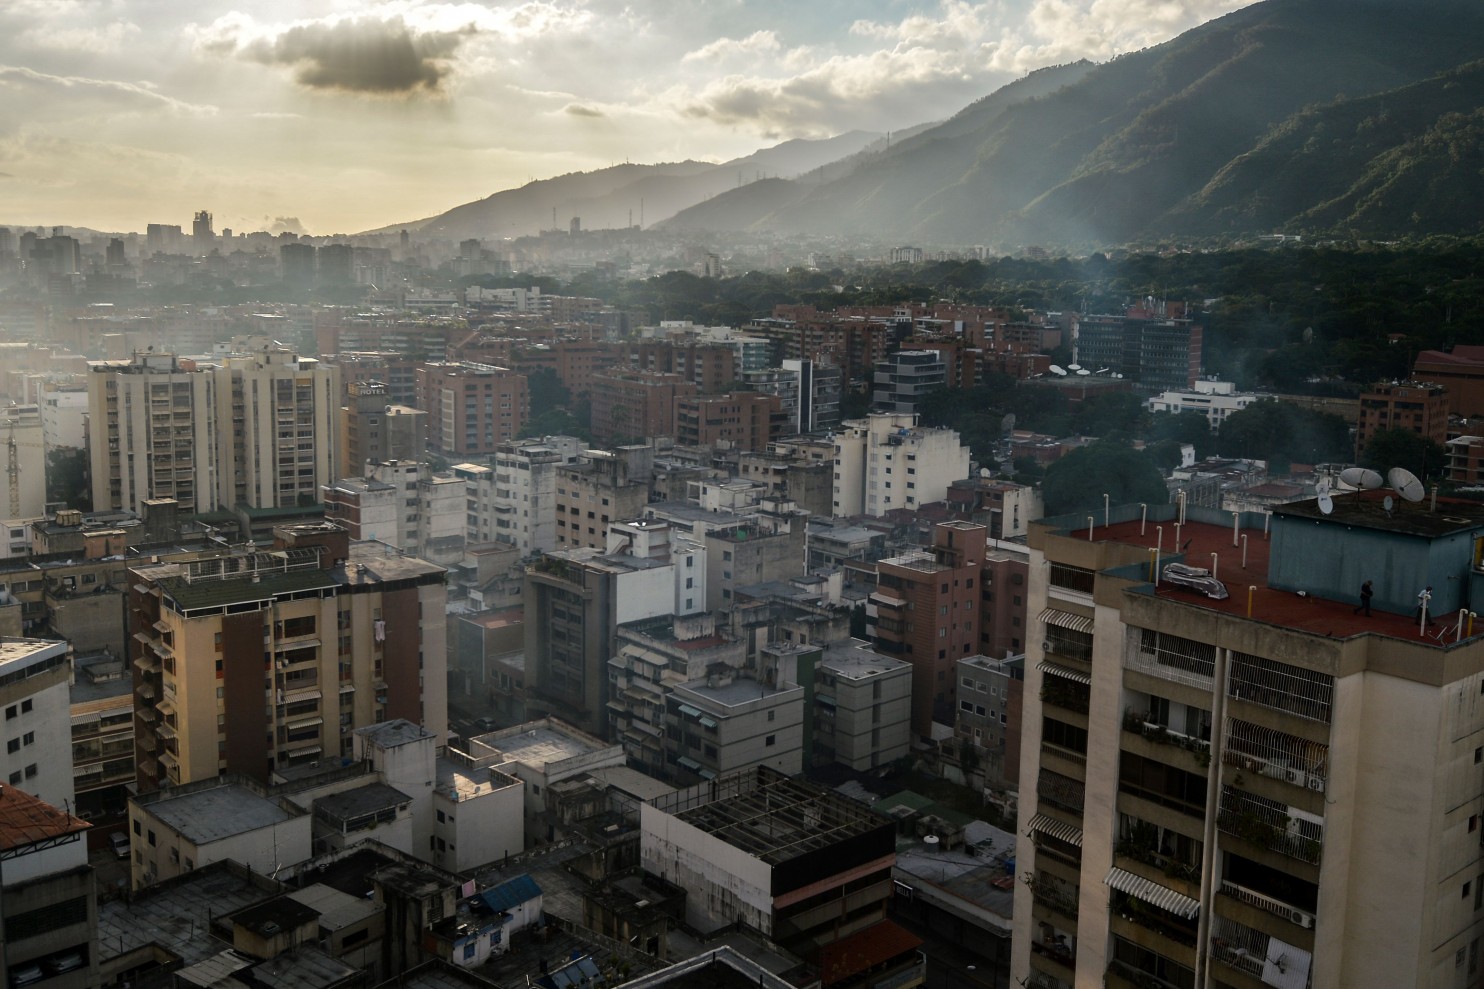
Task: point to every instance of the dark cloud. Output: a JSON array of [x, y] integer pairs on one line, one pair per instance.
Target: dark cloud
[[578, 110], [364, 55]]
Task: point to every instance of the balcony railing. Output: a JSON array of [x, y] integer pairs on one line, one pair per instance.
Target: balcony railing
[[1134, 723], [1052, 895], [1263, 824]]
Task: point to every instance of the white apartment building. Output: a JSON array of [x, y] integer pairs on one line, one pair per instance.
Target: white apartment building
[[887, 461], [36, 708], [523, 506], [64, 409], [1213, 399], [257, 430], [23, 449]]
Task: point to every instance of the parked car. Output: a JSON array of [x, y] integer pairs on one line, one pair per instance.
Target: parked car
[[120, 842], [26, 975], [485, 725], [65, 963], [1197, 579]]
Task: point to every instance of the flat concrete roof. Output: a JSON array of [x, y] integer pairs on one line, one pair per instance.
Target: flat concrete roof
[[859, 663], [216, 813], [175, 915], [739, 691], [463, 783], [390, 734], [540, 746]]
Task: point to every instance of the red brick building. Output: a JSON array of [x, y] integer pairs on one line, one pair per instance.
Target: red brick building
[[630, 404], [742, 421], [472, 408], [1419, 407]]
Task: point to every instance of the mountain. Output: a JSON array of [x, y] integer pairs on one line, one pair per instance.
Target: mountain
[[616, 196], [1171, 141]]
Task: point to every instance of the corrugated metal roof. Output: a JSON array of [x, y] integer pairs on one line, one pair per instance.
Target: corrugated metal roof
[[1065, 619], [1064, 672], [1057, 829], [1152, 892], [512, 893]]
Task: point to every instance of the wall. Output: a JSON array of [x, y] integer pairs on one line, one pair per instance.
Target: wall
[[484, 829], [723, 882]]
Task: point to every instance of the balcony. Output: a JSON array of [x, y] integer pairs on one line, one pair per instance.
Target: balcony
[[1134, 724], [1053, 895], [1265, 824], [1268, 904]]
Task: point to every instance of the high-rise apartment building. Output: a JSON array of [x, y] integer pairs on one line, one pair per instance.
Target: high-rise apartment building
[[472, 408], [256, 430], [1156, 349], [518, 505], [1413, 406], [603, 486], [23, 448], [926, 610], [35, 704], [630, 405], [887, 461], [257, 661], [906, 377], [737, 421], [373, 429], [1266, 788]]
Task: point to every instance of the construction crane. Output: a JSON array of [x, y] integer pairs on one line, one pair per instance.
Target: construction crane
[[13, 472]]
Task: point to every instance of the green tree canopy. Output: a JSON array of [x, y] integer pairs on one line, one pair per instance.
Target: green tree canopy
[[1078, 481], [1279, 431], [1403, 448]]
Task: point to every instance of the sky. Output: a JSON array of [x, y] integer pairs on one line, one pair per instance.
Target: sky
[[337, 116]]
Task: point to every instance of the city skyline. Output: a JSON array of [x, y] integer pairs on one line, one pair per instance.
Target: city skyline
[[339, 117]]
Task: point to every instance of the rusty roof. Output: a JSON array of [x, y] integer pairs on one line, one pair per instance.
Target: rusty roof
[[27, 820]]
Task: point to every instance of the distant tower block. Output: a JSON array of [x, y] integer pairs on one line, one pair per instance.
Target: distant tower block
[[575, 227], [202, 236]]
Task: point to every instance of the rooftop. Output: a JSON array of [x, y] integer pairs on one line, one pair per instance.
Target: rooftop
[[541, 743], [390, 734], [27, 820], [854, 660], [336, 909], [367, 799], [303, 968], [460, 782], [176, 914], [17, 653], [216, 812], [734, 692], [766, 814]]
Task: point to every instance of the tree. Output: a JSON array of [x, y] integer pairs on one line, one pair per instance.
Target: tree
[[1078, 481], [557, 422], [1403, 448], [547, 391], [1278, 431], [1183, 427]]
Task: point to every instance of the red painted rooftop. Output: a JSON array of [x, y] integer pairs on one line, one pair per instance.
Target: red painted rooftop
[[26, 820], [1321, 616]]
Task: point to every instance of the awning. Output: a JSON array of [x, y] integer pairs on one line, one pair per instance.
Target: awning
[[1065, 619], [304, 723], [1152, 892], [689, 711], [1064, 672], [1057, 829], [302, 753], [688, 763], [707, 723]]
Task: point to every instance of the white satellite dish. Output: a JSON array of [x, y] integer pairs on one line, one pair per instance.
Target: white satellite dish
[[1359, 478], [1083, 370], [1388, 503], [1326, 503], [983, 471], [1057, 369], [1405, 483], [1074, 367]]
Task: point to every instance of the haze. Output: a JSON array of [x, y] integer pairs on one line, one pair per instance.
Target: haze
[[326, 117]]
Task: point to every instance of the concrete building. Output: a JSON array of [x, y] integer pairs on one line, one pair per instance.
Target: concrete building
[[1004, 623], [256, 430], [522, 506], [542, 754], [472, 408], [734, 421], [806, 867], [48, 903], [23, 445], [926, 611], [1213, 399], [177, 830], [808, 393], [1157, 348], [374, 429], [37, 758], [1460, 372], [1263, 789], [64, 412], [904, 378], [405, 505], [729, 721], [887, 461], [602, 486], [1005, 507], [862, 707], [768, 546], [629, 404], [575, 600], [102, 709], [1417, 407], [990, 699], [354, 633]]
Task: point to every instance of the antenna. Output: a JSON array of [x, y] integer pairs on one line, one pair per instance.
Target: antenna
[[1405, 483]]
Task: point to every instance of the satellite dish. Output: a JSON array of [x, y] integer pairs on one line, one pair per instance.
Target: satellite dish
[[1387, 503], [1326, 503], [1074, 367], [1083, 370], [983, 471], [1057, 369], [1405, 483], [1360, 478]]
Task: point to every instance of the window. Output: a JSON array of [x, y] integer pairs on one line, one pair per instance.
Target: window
[[29, 738], [152, 838], [26, 706], [770, 740], [31, 771], [14, 745], [771, 714], [10, 713]]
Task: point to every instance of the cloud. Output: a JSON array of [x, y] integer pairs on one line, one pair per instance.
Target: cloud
[[755, 43], [93, 40], [366, 55], [284, 224], [25, 90], [580, 110]]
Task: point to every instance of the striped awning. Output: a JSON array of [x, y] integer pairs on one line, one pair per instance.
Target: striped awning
[[1152, 892], [1064, 672], [690, 712], [1057, 829], [1065, 619]]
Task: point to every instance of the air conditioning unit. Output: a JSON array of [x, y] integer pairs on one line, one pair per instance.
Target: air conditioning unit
[[1304, 920], [1315, 783], [1296, 777]]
